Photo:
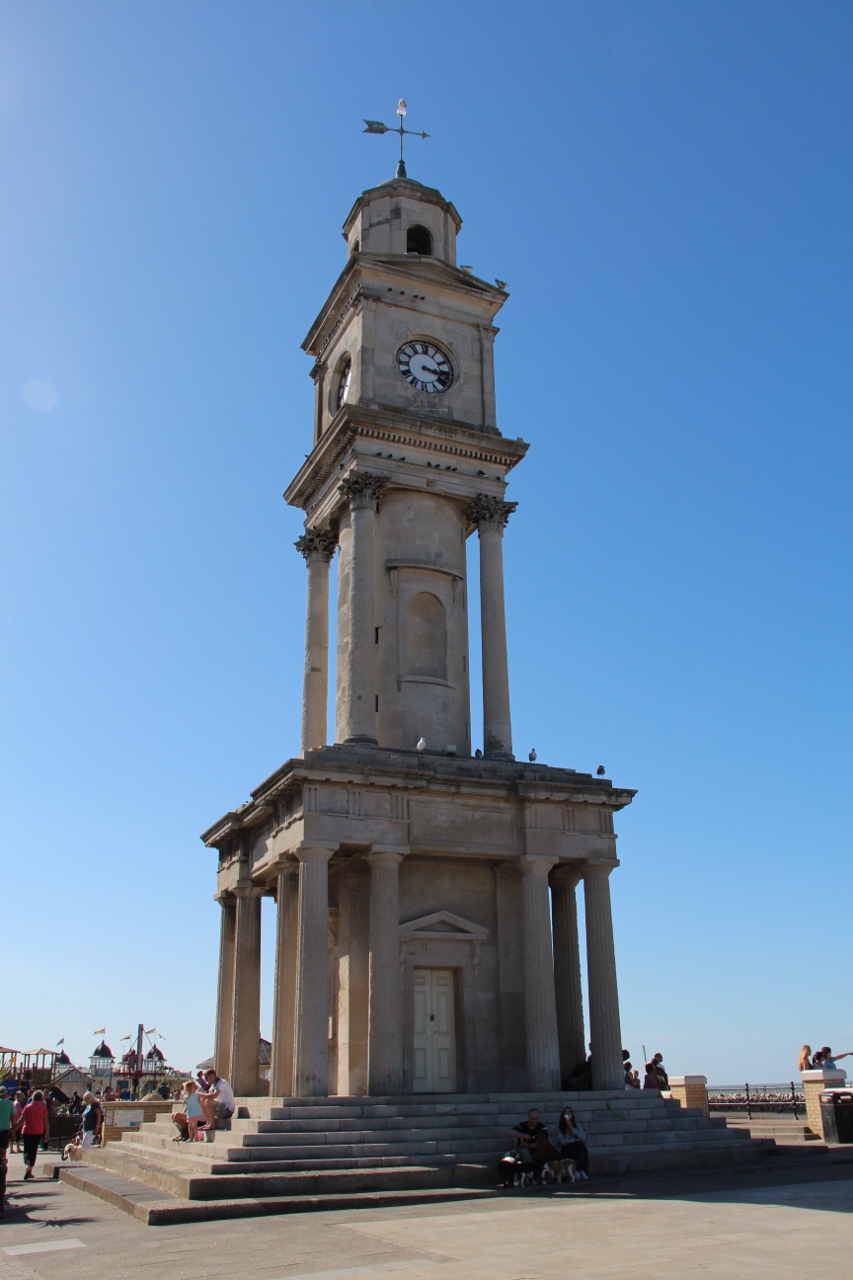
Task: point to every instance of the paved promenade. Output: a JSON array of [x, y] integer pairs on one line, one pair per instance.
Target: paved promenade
[[739, 1231]]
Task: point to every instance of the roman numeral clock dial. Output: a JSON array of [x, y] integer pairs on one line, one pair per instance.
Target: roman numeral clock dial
[[425, 367]]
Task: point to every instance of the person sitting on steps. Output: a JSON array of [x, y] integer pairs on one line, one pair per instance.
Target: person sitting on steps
[[218, 1102], [189, 1120], [571, 1141], [527, 1134]]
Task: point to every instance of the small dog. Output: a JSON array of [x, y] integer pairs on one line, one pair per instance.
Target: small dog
[[554, 1166]]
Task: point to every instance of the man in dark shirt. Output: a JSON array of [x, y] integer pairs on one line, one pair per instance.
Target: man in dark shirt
[[527, 1134]]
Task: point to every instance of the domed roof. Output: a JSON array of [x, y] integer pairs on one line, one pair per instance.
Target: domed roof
[[103, 1051]]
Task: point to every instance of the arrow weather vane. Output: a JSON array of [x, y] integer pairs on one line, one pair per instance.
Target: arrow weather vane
[[376, 126]]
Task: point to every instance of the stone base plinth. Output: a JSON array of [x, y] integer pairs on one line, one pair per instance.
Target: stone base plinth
[[690, 1091], [814, 1083]]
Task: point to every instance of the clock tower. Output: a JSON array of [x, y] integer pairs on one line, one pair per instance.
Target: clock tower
[[407, 463], [427, 931]]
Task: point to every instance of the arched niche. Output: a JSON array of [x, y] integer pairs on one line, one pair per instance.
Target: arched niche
[[426, 637]]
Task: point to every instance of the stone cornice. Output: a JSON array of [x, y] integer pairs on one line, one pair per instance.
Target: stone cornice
[[355, 282], [419, 772], [399, 430]]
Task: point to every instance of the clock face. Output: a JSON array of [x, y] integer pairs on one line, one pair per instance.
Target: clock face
[[425, 366], [344, 383]]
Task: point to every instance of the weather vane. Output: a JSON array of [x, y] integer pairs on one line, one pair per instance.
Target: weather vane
[[376, 126]]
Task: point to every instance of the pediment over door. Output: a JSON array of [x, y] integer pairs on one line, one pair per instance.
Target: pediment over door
[[444, 926]]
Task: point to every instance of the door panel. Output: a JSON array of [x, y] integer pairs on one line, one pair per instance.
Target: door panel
[[435, 1031]]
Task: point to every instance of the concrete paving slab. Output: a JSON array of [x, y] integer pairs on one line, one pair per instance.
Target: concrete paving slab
[[721, 1228]]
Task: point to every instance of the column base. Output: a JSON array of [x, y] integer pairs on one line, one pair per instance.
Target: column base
[[361, 740], [499, 755]]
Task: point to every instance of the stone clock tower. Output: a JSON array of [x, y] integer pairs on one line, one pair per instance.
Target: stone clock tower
[[407, 461], [427, 937]]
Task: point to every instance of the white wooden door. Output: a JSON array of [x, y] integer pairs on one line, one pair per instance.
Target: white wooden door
[[435, 1031]]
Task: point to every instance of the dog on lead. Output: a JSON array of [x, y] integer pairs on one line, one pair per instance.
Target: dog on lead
[[546, 1166]]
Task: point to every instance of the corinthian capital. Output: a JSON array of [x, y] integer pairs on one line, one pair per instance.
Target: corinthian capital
[[362, 490], [489, 512], [317, 544]]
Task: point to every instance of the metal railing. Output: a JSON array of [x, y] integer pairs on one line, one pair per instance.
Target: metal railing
[[760, 1099]]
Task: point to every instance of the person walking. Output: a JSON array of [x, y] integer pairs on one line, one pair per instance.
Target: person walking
[[35, 1129]]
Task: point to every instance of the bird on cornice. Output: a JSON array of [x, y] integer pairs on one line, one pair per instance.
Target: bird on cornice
[[532, 756], [601, 771]]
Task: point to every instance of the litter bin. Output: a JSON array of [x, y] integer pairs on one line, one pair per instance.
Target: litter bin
[[836, 1113]]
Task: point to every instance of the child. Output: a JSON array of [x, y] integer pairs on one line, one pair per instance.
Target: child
[[192, 1116]]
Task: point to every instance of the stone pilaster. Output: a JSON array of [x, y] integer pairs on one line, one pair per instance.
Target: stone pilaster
[[691, 1092], [604, 1030], [246, 1027], [814, 1084], [284, 991], [385, 1017], [225, 989], [318, 547], [311, 1054], [363, 493], [543, 1054], [490, 516], [567, 970]]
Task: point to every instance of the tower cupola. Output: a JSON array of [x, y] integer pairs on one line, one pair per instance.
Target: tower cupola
[[403, 217]]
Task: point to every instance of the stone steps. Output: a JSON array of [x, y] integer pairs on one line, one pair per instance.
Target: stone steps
[[154, 1209], [447, 1144], [281, 1151]]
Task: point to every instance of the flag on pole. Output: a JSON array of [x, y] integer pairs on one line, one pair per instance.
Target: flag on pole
[[126, 1038], [59, 1042], [102, 1032]]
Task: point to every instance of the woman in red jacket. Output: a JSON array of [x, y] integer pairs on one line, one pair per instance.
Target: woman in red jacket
[[34, 1130]]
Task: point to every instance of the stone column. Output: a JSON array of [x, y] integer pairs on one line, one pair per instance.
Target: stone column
[[225, 991], [540, 1007], [284, 991], [385, 1025], [567, 970], [490, 516], [604, 1031], [311, 1052], [318, 547], [246, 1028], [363, 493]]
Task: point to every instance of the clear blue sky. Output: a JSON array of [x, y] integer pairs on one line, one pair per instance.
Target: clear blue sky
[[667, 189]]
